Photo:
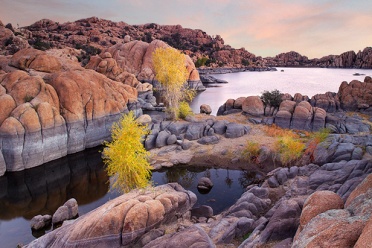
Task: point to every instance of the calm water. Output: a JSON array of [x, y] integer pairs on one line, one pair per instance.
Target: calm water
[[43, 189], [307, 81]]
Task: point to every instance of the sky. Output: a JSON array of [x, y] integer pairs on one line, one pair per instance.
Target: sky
[[313, 28]]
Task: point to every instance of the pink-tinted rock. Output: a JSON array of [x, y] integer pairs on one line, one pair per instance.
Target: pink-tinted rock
[[123, 220], [318, 203], [334, 228], [253, 105], [365, 239], [361, 189]]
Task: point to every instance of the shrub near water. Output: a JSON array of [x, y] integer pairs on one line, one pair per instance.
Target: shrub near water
[[125, 156], [184, 110]]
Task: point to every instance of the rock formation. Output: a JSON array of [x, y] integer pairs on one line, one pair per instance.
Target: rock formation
[[321, 111], [123, 220], [131, 62], [52, 107]]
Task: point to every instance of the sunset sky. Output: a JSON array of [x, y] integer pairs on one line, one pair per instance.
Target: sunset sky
[[264, 27]]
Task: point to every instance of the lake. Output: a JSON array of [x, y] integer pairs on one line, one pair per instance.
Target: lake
[[307, 81]]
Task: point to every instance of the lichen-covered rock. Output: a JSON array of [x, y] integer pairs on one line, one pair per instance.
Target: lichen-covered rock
[[334, 228], [121, 221], [318, 203]]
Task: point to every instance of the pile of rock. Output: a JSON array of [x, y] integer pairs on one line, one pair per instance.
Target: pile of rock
[[301, 113], [68, 211], [180, 132]]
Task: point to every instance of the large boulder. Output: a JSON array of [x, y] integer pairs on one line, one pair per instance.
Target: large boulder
[[334, 228], [235, 130], [302, 116], [253, 105], [123, 220], [356, 95], [318, 203]]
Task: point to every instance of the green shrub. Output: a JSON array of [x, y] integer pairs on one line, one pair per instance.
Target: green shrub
[[184, 110], [273, 98], [201, 62]]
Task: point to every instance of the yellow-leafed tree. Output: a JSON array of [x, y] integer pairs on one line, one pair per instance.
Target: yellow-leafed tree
[[171, 72], [125, 156]]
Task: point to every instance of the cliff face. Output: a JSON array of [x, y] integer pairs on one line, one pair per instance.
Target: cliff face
[[51, 107]]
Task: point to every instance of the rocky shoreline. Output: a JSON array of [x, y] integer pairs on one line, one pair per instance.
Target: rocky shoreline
[[321, 205]]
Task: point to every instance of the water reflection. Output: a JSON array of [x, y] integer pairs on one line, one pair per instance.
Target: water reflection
[[43, 189]]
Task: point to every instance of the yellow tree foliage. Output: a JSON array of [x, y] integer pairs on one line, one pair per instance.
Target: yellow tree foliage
[[125, 156], [170, 71]]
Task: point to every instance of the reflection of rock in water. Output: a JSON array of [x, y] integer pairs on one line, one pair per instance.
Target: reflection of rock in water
[[180, 175], [43, 189]]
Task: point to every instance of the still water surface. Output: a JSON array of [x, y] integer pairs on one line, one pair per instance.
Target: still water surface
[[43, 189], [307, 81]]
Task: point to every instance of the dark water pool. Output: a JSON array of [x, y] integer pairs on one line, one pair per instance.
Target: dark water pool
[[43, 189]]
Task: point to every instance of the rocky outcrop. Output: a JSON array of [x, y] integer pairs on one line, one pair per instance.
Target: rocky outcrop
[[301, 113], [290, 59], [356, 95], [52, 107], [306, 200], [131, 62], [93, 35], [123, 220], [182, 131], [349, 59], [337, 226], [342, 148]]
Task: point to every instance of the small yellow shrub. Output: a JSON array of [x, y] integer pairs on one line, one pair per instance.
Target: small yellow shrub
[[275, 131], [251, 151], [184, 110], [315, 139], [289, 149], [125, 156]]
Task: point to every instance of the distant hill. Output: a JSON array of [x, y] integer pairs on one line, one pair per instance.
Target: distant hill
[[92, 35]]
